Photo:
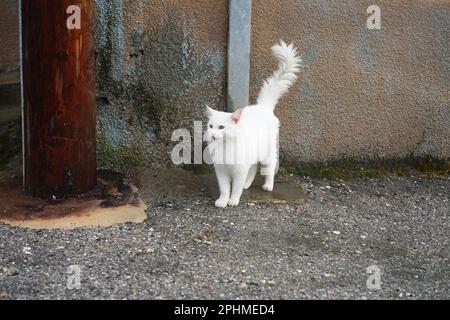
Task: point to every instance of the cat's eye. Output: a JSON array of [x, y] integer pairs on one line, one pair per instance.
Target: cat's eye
[[210, 126], [221, 127]]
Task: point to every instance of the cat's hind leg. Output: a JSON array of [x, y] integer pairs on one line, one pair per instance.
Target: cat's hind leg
[[268, 184], [270, 165], [251, 176], [268, 171]]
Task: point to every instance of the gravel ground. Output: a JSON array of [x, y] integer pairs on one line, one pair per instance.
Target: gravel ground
[[190, 250]]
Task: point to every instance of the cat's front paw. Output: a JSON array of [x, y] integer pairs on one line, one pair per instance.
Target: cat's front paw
[[221, 203], [233, 202], [267, 187]]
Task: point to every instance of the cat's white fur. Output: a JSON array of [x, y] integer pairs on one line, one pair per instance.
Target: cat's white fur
[[240, 141]]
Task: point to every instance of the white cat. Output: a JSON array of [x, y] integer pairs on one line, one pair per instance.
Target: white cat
[[240, 141]]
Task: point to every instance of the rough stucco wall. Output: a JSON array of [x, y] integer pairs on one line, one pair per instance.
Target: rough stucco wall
[[159, 63], [9, 39], [362, 94]]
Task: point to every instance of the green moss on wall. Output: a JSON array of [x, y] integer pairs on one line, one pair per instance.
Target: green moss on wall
[[120, 156], [426, 166], [10, 147]]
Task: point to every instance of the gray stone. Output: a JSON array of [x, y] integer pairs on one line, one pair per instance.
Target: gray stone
[[270, 244]]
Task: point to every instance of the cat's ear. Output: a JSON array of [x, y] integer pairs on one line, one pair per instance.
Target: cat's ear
[[236, 116], [208, 111]]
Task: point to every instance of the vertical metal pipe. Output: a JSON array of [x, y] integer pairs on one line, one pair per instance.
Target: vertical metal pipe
[[58, 98], [239, 39]]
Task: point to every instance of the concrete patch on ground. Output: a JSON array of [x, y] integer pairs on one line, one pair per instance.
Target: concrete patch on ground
[[92, 217], [114, 201], [285, 191], [172, 183]]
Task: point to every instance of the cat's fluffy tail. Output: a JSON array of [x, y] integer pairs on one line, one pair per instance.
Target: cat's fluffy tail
[[279, 83]]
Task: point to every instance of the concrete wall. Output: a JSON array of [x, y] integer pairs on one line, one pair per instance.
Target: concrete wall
[[9, 35], [362, 94], [159, 63]]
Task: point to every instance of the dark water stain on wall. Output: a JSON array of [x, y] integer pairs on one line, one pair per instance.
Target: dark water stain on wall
[[155, 75]]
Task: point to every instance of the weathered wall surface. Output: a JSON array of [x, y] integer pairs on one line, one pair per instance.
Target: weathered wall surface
[[9, 35], [159, 63], [363, 94]]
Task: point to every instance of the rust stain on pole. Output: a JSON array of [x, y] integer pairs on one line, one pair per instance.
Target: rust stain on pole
[[59, 99]]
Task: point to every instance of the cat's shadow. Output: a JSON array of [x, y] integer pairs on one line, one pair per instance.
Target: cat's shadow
[[286, 190]]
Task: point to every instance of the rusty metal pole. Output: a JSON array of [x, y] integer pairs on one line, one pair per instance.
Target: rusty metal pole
[[59, 103]]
